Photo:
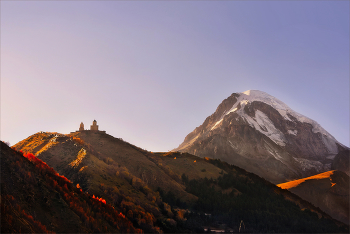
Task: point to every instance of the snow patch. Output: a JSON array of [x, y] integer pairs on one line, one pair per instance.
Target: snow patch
[[216, 124], [329, 143], [263, 124], [232, 110], [293, 132], [331, 156], [232, 145], [275, 154], [306, 164], [284, 113], [270, 149]]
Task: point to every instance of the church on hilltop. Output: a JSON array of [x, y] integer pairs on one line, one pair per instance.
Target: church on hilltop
[[93, 127]]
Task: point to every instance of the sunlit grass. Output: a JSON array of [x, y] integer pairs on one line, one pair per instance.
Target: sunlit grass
[[79, 159], [294, 183]]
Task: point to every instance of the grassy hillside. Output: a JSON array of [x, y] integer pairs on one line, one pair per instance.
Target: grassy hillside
[[175, 192], [113, 169], [34, 198]]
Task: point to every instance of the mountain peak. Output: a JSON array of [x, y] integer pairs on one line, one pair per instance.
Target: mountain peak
[[254, 92], [257, 95], [285, 111], [260, 133]]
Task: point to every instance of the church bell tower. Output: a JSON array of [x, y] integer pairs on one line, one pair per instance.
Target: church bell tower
[[81, 128], [94, 126]]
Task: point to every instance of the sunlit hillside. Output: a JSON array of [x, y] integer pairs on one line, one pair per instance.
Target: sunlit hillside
[[36, 199], [294, 183]]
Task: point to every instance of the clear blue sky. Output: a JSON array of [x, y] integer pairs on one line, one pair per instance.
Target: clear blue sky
[[151, 71]]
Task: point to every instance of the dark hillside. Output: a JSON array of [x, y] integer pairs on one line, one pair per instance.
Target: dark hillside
[[341, 161], [238, 196], [328, 191], [176, 192], [34, 198]]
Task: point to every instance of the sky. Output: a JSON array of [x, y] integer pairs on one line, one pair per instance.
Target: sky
[[150, 72]]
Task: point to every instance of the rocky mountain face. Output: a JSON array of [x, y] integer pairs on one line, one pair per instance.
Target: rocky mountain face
[[261, 134], [341, 161]]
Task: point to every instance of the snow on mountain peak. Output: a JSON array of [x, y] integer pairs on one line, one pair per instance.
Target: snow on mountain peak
[[255, 92], [261, 120], [256, 95]]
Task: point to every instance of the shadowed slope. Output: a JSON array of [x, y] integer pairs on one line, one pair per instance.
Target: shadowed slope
[[328, 191]]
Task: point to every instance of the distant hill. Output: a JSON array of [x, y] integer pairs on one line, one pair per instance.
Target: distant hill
[[174, 192]]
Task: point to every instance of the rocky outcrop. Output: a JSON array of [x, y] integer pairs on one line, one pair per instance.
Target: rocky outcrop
[[261, 134], [341, 161]]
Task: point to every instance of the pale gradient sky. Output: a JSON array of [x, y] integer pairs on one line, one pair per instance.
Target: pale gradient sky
[[151, 71]]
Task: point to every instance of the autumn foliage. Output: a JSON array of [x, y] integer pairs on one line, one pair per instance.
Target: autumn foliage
[[95, 213], [77, 140], [11, 211], [99, 199]]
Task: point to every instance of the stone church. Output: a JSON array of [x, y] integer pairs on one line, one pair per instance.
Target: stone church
[[93, 127]]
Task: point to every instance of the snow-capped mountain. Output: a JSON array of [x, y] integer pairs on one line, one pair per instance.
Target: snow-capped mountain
[[260, 133]]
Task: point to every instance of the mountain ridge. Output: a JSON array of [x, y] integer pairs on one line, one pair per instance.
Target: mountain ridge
[[113, 169]]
